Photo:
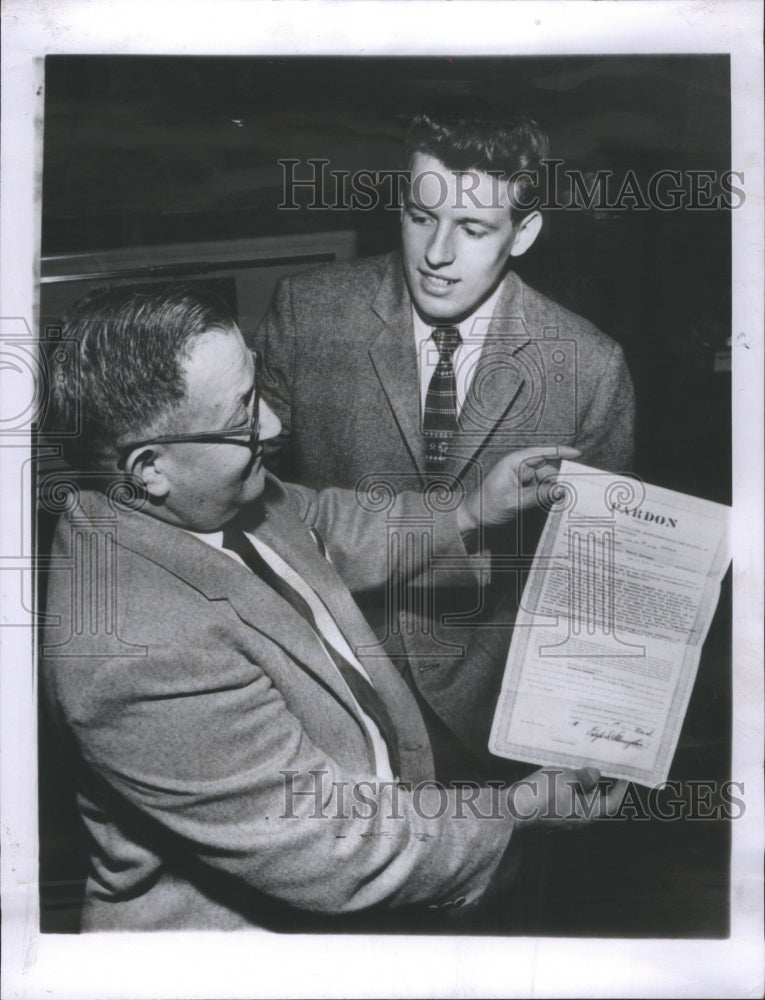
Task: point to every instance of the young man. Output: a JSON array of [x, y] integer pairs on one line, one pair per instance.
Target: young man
[[427, 367], [238, 762]]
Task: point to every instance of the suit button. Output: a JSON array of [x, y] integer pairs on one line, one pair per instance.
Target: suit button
[[426, 667]]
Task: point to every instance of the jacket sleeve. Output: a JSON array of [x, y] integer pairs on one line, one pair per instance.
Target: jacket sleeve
[[378, 535], [196, 738], [606, 433]]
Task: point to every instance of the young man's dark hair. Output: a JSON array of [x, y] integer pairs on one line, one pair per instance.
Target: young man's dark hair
[[131, 342], [510, 146]]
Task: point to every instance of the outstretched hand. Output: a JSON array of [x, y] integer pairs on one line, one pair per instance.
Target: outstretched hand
[[563, 798], [518, 481]]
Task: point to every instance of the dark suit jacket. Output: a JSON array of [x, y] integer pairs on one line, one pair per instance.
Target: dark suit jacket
[[208, 725], [341, 372]]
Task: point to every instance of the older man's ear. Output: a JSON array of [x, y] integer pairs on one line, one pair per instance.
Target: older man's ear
[[147, 466]]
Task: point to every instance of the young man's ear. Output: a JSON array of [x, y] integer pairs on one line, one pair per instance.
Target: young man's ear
[[526, 231], [146, 465]]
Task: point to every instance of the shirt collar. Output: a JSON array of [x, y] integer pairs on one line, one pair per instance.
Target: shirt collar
[[472, 329], [212, 538]]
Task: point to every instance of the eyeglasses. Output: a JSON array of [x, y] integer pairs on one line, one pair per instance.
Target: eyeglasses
[[244, 434]]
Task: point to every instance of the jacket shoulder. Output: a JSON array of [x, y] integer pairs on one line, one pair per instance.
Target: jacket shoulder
[[342, 278], [549, 318]]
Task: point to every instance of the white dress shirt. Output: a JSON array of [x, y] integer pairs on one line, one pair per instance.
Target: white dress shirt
[[328, 633]]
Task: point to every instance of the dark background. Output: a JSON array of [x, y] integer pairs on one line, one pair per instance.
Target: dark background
[[147, 150], [142, 151]]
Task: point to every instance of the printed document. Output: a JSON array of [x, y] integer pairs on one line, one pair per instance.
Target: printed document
[[614, 613]]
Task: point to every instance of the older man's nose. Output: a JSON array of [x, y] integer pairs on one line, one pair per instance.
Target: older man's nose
[[270, 424]]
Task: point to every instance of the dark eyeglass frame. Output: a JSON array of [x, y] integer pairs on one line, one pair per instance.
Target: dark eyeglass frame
[[244, 434]]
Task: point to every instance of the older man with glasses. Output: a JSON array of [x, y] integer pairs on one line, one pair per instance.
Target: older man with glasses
[[240, 760]]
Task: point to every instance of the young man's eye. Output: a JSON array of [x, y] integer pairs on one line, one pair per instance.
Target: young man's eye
[[474, 234], [417, 217]]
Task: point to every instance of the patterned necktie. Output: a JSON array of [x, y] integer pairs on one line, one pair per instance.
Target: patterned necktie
[[439, 420], [364, 693]]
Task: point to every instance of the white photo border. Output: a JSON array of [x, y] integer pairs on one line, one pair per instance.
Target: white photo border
[[257, 963]]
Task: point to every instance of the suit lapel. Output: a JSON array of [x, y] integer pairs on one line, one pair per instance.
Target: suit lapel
[[394, 357], [219, 577], [288, 536], [498, 379]]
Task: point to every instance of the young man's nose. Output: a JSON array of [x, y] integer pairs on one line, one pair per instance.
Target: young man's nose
[[440, 249]]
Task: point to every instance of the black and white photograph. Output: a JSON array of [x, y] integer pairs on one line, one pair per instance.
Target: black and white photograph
[[382, 486]]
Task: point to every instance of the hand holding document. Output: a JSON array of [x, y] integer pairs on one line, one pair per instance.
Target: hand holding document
[[608, 638]]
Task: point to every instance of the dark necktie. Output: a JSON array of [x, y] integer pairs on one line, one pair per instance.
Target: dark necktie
[[439, 420], [364, 693]]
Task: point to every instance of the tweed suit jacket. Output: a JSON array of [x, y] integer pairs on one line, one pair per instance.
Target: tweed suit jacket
[[340, 369], [208, 725]]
